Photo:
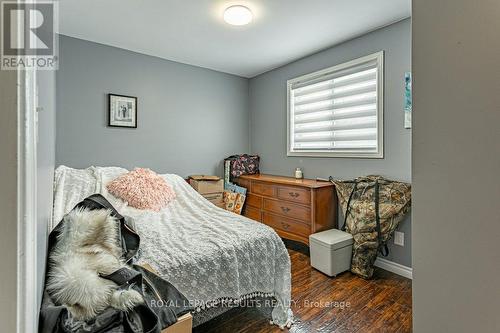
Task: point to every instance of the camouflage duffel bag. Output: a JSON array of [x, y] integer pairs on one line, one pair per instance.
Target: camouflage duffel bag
[[373, 207]]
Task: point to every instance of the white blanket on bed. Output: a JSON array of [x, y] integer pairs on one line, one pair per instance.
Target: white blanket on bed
[[212, 256]]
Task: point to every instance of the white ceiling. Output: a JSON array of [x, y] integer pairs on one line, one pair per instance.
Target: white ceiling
[[193, 32]]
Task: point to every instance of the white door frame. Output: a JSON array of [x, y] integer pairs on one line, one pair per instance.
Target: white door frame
[[27, 305], [27, 279]]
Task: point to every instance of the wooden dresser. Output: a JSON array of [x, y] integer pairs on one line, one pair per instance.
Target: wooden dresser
[[295, 208]]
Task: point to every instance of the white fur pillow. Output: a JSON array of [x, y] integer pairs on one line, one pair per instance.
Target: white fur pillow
[[88, 245]]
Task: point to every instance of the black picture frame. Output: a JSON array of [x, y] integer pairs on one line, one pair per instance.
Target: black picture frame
[[122, 111]]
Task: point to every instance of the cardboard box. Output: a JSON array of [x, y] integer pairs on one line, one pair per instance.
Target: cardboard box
[[215, 198], [204, 177], [184, 323], [207, 186]]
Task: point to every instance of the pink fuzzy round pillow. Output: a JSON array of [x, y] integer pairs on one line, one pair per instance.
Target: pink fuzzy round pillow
[[142, 189]]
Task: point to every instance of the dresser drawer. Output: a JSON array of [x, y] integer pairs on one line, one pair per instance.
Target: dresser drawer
[[254, 200], [288, 209], [295, 194], [286, 224], [243, 183], [264, 189], [253, 213], [293, 207]]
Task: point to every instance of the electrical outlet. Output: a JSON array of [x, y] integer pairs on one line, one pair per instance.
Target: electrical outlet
[[399, 238]]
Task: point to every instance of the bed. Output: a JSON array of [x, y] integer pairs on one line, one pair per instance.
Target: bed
[[214, 257]]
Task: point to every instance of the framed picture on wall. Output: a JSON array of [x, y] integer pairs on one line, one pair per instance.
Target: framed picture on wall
[[122, 111]]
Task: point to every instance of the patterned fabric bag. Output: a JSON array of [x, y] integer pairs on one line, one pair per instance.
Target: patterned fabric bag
[[373, 207], [242, 165]]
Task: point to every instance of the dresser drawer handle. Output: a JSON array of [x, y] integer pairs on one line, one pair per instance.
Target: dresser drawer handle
[[285, 209], [285, 225], [293, 194]]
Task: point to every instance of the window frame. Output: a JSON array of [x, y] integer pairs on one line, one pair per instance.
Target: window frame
[[379, 153]]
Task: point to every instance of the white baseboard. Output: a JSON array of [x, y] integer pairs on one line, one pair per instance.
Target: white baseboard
[[394, 267]]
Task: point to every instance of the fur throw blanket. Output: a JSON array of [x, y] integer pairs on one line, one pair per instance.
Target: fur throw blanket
[[87, 248]]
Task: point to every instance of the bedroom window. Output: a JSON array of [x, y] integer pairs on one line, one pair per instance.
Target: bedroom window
[[338, 111]]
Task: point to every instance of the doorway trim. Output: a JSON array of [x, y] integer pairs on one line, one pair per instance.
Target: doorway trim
[[27, 304]]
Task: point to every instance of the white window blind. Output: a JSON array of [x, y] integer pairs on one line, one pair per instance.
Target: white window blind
[[338, 111]]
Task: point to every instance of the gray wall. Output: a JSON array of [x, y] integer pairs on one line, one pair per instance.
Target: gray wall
[[268, 117], [456, 164], [46, 151], [189, 118], [183, 111]]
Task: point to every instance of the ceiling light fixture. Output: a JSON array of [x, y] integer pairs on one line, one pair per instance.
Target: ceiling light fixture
[[238, 15]]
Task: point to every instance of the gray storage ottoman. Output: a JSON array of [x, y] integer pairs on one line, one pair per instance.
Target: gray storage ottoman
[[331, 251]]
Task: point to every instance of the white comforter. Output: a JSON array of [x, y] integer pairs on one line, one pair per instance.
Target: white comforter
[[209, 254]]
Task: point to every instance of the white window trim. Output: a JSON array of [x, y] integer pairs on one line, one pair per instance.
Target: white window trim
[[379, 57]]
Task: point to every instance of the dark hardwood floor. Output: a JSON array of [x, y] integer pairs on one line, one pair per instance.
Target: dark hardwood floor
[[382, 304]]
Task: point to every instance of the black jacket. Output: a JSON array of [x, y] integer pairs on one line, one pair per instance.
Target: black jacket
[[163, 302]]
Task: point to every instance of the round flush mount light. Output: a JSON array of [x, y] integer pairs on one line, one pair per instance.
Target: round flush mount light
[[238, 15]]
